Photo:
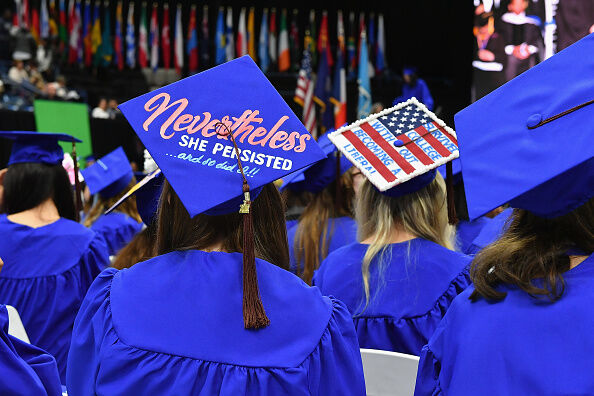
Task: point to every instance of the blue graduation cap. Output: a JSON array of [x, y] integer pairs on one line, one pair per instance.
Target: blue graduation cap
[[529, 143], [38, 147], [186, 125], [109, 175], [147, 192], [318, 176]]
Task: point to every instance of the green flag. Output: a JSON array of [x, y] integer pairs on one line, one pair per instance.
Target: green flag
[[105, 51]]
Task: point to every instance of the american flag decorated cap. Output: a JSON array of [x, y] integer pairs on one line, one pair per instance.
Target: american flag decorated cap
[[530, 142], [397, 146]]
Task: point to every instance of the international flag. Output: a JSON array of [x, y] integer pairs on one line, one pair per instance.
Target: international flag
[[205, 41], [21, 15], [79, 42], [322, 91], [397, 144], [143, 39], [241, 44], [87, 41], [96, 35], [192, 45], [165, 38], [312, 33], [229, 42], [364, 106], [35, 25], [361, 30], [339, 96], [284, 57], [74, 34], [118, 42], [221, 49], [53, 18], [62, 29], [272, 44], [294, 42], [130, 38], [304, 93], [154, 38], [251, 35], [371, 37], [106, 49], [380, 60], [324, 40], [44, 29], [178, 52], [263, 42]]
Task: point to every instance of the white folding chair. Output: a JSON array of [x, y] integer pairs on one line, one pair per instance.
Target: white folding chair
[[389, 373], [15, 325]]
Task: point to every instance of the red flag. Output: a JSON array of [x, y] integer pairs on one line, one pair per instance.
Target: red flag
[[323, 39], [73, 34], [119, 47], [192, 41], [165, 42], [26, 14]]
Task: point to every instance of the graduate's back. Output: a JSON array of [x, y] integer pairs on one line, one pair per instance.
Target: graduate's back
[[174, 325]]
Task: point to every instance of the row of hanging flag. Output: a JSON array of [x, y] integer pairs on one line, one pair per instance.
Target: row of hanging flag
[[84, 33]]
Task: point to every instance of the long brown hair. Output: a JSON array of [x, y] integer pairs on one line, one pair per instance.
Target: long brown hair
[[422, 213], [177, 231], [311, 238], [127, 207], [140, 248], [533, 248]]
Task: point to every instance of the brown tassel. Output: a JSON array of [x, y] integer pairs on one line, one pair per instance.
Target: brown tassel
[[77, 199], [338, 184], [452, 218], [254, 315]]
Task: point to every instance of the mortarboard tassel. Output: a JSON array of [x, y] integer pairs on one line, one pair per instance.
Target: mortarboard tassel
[[77, 199], [452, 218], [254, 315]]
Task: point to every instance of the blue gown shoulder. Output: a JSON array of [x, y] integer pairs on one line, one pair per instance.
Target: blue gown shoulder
[[534, 344], [407, 301], [26, 369], [46, 273], [490, 232], [341, 231], [117, 229], [467, 231], [189, 307]]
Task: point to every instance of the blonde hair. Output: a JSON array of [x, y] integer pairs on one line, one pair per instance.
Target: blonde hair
[[127, 207], [422, 214]]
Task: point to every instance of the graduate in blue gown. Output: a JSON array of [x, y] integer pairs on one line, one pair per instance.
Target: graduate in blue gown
[[414, 87], [525, 327], [466, 230], [204, 317], [326, 223], [402, 275], [490, 232], [49, 259], [26, 369], [110, 177]]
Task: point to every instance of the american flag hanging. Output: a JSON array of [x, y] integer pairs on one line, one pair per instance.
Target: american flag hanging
[[397, 144], [304, 93]]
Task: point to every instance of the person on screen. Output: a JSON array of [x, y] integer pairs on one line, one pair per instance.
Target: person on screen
[[49, 259], [575, 20], [489, 56]]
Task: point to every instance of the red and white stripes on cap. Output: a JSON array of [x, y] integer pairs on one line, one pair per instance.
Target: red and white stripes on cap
[[397, 144]]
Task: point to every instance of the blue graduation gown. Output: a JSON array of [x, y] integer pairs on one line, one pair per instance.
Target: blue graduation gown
[[25, 369], [415, 292], [174, 325], [342, 231], [518, 346], [467, 231], [117, 229], [490, 232], [46, 273], [420, 91]]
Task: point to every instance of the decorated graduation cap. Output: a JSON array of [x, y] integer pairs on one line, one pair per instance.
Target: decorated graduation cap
[[399, 149], [147, 192], [316, 177], [217, 136], [109, 175], [43, 147], [530, 142], [38, 147]]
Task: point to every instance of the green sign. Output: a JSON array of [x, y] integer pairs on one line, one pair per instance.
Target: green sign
[[65, 117]]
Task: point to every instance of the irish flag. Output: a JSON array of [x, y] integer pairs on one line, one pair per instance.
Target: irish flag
[[284, 59]]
